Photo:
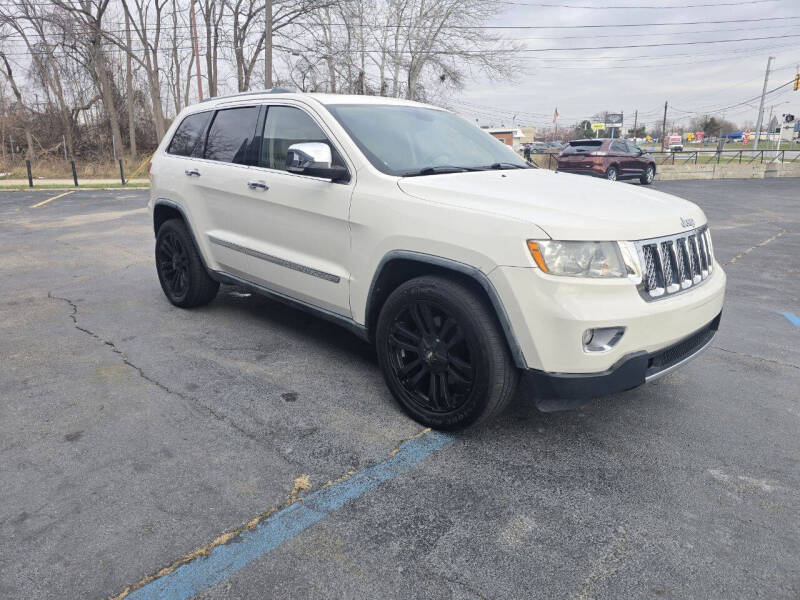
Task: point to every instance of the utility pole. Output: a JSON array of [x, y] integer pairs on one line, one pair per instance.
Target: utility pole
[[268, 44], [761, 105], [196, 50], [664, 128], [635, 123]]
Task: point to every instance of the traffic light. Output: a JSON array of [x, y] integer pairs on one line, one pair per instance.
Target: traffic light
[[797, 82]]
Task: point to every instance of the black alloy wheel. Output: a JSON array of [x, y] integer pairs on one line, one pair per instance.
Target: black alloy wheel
[[430, 357], [443, 354], [181, 272], [173, 264]]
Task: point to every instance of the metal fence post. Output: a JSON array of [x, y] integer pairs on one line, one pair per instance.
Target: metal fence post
[[74, 173], [121, 172], [30, 175]]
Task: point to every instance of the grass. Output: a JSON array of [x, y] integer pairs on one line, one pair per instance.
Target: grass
[[57, 168], [83, 186]]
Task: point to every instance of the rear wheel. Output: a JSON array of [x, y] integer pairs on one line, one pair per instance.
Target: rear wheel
[[648, 176], [443, 354], [183, 277], [611, 173]]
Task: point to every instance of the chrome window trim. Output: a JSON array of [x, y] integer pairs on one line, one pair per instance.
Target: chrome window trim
[[695, 248]]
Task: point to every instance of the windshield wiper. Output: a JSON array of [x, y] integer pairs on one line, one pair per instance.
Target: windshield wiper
[[438, 170], [505, 165]]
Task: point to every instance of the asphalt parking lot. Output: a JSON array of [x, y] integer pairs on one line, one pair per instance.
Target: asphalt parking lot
[[133, 434]]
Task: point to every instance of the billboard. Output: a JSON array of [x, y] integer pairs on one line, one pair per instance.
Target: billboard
[[613, 120]]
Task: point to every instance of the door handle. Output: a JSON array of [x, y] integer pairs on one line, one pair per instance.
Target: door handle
[[192, 173], [257, 185]]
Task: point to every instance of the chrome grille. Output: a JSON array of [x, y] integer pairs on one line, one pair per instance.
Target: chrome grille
[[674, 263]]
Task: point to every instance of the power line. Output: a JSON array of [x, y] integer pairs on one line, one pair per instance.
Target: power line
[[661, 7]]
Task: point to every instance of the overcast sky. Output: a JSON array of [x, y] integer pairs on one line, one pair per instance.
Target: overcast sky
[[702, 78]]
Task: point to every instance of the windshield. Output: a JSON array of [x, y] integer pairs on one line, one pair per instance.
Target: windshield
[[411, 140]]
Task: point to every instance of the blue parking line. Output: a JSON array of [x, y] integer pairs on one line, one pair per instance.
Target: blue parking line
[[223, 561], [793, 319]]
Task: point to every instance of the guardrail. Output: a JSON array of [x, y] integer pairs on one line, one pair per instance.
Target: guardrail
[[666, 157]]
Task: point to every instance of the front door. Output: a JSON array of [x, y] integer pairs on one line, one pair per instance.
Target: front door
[[290, 233]]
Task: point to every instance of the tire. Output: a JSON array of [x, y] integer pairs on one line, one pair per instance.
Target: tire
[[443, 354], [649, 175], [611, 173], [183, 278]]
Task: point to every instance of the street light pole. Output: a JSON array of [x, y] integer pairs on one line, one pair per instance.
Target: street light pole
[[664, 128], [761, 105]]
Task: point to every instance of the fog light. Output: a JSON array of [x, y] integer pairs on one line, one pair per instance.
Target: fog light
[[601, 338]]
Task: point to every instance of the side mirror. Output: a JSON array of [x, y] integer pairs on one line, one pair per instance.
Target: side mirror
[[314, 159]]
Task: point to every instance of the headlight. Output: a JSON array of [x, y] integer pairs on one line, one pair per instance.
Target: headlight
[[578, 259]]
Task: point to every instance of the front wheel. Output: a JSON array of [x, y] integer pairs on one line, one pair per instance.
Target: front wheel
[[648, 176], [611, 173], [443, 355]]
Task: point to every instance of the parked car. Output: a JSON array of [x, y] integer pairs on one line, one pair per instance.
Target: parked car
[[465, 266], [610, 158], [539, 147]]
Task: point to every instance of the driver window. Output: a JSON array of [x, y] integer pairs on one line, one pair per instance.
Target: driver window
[[287, 125]]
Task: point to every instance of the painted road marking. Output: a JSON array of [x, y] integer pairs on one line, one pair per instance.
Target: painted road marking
[[43, 202], [223, 561], [793, 319]]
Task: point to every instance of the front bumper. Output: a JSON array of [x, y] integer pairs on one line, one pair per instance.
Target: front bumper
[[549, 315], [629, 372]]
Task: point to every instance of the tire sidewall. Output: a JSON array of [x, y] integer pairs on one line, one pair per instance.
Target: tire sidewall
[[646, 178], [612, 170], [475, 405], [178, 229]]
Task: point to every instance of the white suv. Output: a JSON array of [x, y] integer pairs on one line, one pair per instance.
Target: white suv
[[466, 266]]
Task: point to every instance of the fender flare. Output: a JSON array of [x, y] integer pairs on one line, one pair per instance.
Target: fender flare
[[464, 269], [179, 208]]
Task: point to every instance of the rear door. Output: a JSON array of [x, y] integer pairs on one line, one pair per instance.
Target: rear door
[[618, 150], [214, 180], [289, 232]]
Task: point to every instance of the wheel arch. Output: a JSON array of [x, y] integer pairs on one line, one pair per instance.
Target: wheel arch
[[164, 210], [399, 266]]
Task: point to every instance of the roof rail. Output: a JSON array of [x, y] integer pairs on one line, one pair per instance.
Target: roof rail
[[274, 90]]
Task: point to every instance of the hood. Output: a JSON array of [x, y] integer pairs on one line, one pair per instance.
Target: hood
[[565, 206]]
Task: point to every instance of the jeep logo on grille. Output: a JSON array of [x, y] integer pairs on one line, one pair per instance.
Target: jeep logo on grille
[[687, 222]]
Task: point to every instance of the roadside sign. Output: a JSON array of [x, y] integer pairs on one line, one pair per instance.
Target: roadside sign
[[598, 126], [613, 120]]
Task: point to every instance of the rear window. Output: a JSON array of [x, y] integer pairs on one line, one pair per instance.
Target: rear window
[[188, 134], [231, 136], [583, 146]]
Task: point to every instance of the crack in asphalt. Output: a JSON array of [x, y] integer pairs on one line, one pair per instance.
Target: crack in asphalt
[[770, 360], [112, 346]]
